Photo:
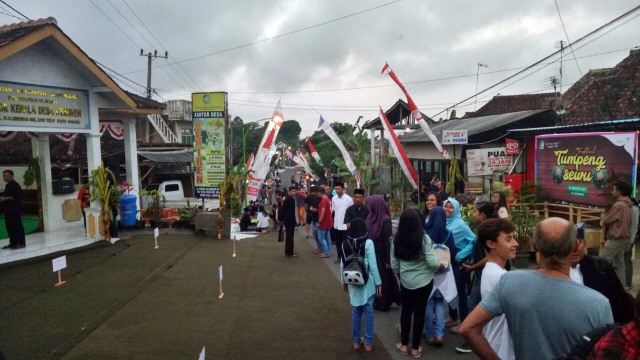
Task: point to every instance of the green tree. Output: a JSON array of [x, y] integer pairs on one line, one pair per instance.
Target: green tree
[[289, 133]]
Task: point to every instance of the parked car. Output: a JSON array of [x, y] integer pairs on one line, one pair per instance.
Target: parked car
[[171, 190]]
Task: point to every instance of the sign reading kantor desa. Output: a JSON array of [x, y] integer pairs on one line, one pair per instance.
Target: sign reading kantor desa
[[576, 167], [40, 107]]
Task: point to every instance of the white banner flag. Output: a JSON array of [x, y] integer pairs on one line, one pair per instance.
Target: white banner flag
[[326, 127]]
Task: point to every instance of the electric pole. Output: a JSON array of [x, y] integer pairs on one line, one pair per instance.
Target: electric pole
[[150, 58]]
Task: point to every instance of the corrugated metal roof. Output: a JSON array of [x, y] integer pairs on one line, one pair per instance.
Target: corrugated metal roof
[[474, 126], [573, 127], [168, 156]]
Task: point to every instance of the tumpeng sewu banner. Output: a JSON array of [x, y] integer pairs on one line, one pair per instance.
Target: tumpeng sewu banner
[[209, 113], [576, 167]]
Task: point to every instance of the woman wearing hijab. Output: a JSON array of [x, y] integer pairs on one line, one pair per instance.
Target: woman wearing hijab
[[414, 260], [378, 225], [444, 284], [362, 296], [464, 239]]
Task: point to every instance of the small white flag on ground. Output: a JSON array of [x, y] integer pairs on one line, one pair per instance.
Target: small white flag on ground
[[220, 282], [156, 234], [59, 263], [201, 357]]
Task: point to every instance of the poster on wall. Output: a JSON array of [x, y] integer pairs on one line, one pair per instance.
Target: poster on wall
[[485, 161], [209, 111], [576, 167]]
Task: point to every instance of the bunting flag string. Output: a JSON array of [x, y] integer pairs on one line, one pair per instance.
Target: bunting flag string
[[416, 112], [405, 164]]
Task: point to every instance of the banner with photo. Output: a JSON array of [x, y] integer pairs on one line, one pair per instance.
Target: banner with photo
[[576, 167], [485, 161], [209, 113]]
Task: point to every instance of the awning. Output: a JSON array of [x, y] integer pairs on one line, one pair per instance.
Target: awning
[[168, 156], [474, 126]]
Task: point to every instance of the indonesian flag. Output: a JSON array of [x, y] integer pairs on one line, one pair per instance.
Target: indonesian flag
[[416, 112], [326, 127], [249, 161], [314, 153], [260, 166], [358, 179], [405, 164]]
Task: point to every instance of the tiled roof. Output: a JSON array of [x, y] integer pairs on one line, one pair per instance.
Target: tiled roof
[[143, 102], [502, 104], [11, 32], [605, 94], [396, 113]]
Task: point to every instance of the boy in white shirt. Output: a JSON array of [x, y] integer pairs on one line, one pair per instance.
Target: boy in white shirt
[[500, 246]]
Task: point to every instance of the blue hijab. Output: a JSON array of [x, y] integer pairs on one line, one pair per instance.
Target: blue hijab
[[436, 226], [462, 234]]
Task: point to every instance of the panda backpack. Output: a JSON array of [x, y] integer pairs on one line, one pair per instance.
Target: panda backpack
[[354, 271]]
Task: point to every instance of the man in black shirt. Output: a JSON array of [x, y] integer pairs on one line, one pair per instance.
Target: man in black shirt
[[288, 218], [358, 209], [11, 201]]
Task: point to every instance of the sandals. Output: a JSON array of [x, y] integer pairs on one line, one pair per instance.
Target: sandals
[[357, 347], [418, 355], [402, 351]]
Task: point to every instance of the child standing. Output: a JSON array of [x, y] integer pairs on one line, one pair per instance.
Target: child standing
[[362, 296], [444, 284]]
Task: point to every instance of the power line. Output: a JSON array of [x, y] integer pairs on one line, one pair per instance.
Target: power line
[[567, 35], [282, 35], [116, 25], [161, 45], [551, 55], [11, 15], [12, 8]]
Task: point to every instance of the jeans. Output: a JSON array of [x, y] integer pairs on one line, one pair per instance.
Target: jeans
[[314, 231], [356, 318], [324, 239], [414, 303], [475, 296], [435, 304]]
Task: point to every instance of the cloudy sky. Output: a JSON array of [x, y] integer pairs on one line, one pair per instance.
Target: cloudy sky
[[326, 55]]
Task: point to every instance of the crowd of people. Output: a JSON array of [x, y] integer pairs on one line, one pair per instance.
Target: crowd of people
[[434, 261]]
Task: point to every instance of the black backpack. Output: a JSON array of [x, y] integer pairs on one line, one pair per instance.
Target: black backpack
[[354, 271], [583, 347]]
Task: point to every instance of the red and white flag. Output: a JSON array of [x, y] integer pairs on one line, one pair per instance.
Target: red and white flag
[[314, 153], [416, 112], [262, 160], [249, 161], [405, 164]]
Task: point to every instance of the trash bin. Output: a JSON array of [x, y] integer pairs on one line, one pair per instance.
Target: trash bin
[[128, 210]]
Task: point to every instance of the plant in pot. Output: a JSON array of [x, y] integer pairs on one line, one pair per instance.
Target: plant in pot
[[101, 183], [153, 212], [523, 217], [187, 214]]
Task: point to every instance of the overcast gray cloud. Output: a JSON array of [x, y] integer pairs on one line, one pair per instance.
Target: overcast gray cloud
[[421, 40]]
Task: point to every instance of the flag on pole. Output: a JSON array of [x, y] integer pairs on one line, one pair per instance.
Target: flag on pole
[[314, 153], [416, 112], [358, 179], [249, 161], [260, 166], [301, 162], [405, 164], [326, 127]]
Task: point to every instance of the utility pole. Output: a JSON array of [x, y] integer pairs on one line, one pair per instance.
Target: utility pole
[[560, 45], [150, 58]]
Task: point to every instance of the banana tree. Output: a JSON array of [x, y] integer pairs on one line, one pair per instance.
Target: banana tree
[[229, 187]]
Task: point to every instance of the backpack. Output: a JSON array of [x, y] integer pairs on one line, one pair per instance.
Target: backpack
[[354, 271], [583, 347]]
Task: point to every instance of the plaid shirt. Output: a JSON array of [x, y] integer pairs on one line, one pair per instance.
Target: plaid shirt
[[621, 344]]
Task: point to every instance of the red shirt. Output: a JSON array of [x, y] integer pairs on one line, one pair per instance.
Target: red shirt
[[327, 222], [622, 343]]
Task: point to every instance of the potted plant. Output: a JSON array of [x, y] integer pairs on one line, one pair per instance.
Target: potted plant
[[154, 210], [187, 215], [524, 219], [101, 182]]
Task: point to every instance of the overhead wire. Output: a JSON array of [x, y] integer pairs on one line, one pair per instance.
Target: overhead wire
[[12, 8], [567, 36], [161, 45], [284, 34]]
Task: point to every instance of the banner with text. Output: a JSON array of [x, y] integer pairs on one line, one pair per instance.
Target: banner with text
[[453, 137], [47, 108], [209, 129], [486, 161], [576, 167]]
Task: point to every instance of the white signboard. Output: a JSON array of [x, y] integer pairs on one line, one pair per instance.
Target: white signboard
[[59, 263], [486, 161], [156, 233], [453, 137], [220, 272]]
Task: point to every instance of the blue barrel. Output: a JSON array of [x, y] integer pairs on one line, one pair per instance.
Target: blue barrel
[[128, 210]]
